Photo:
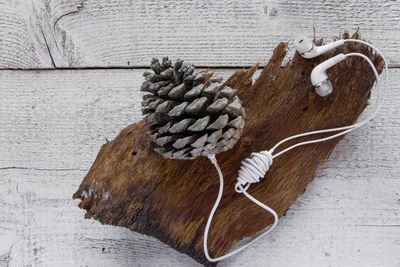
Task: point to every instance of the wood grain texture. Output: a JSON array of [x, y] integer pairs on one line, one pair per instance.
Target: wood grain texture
[[53, 123], [119, 33], [28, 33], [130, 185]]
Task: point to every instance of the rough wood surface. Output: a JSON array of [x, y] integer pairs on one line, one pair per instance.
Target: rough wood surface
[[130, 185], [29, 35], [119, 33], [53, 123]]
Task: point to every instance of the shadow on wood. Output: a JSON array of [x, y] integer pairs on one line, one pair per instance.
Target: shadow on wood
[[130, 185]]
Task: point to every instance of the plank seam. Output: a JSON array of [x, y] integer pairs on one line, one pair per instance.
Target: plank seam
[[42, 169], [391, 66]]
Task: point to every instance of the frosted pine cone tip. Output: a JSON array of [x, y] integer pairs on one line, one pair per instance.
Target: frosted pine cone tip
[[189, 114]]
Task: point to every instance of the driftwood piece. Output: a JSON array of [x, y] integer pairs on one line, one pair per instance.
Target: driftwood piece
[[130, 185]]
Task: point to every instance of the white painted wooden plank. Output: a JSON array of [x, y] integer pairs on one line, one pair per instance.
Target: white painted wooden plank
[[52, 231], [54, 122], [27, 32], [49, 229], [117, 33]]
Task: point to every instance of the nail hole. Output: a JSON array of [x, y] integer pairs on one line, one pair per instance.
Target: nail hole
[[134, 153], [305, 108], [301, 41]]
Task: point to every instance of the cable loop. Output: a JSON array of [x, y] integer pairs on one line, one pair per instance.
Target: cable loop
[[253, 169]]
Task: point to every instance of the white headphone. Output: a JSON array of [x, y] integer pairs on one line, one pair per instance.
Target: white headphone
[[255, 167], [319, 78]]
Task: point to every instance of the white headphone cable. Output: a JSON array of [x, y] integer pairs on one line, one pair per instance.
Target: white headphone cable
[[257, 165]]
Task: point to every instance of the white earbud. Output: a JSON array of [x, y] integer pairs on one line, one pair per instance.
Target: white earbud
[[319, 78], [308, 49]]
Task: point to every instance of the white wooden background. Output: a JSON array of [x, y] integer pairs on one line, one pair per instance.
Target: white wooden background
[[53, 122]]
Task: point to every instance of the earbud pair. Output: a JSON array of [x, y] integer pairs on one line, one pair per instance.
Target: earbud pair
[[319, 78]]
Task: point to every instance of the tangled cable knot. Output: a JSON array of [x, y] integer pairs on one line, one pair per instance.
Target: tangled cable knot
[[253, 169]]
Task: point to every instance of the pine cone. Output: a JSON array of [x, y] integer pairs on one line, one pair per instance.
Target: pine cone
[[189, 115]]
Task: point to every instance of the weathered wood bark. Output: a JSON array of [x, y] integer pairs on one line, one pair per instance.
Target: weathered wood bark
[[130, 185]]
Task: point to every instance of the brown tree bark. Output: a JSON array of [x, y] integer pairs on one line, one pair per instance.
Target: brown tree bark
[[132, 186]]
